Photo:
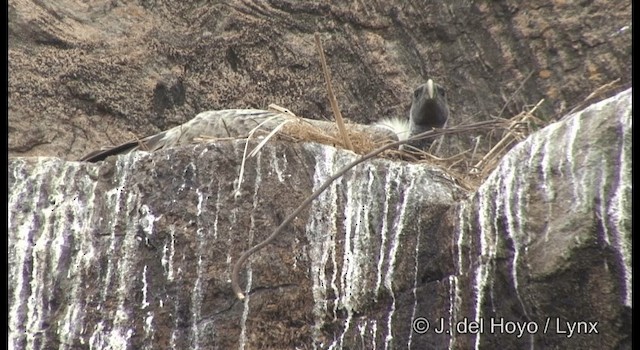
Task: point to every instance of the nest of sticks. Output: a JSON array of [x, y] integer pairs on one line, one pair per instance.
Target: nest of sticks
[[469, 167]]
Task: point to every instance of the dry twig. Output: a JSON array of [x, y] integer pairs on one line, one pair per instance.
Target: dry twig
[[332, 96]]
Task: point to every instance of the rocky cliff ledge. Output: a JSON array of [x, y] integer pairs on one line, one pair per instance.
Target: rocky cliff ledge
[[135, 252]]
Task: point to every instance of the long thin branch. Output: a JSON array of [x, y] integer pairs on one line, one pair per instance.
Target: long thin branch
[[427, 134], [513, 95]]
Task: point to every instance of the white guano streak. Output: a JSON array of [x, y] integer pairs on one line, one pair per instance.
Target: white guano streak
[[395, 243]]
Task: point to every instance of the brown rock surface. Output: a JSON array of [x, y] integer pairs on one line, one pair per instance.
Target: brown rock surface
[[84, 75]]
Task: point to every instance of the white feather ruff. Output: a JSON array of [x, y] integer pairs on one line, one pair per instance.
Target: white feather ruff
[[400, 126]]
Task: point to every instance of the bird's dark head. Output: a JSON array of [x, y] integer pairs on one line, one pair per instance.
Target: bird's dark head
[[429, 108]]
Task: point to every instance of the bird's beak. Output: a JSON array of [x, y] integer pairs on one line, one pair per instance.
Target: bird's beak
[[431, 89]]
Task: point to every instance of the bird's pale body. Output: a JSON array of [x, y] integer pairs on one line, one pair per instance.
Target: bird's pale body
[[428, 110]]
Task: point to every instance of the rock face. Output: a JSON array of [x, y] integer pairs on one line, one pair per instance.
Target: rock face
[[83, 75], [136, 251], [546, 240]]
